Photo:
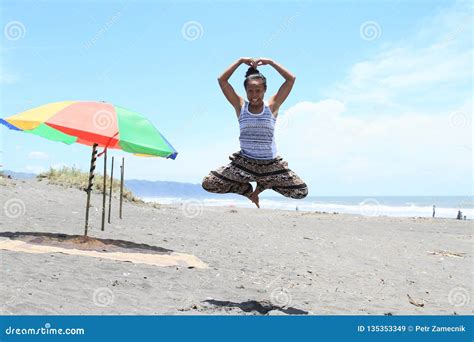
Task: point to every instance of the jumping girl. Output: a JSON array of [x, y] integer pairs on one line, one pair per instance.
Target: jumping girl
[[257, 161]]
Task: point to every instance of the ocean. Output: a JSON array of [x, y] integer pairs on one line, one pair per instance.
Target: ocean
[[396, 206]]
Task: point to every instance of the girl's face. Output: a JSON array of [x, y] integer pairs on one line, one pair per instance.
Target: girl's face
[[255, 92]]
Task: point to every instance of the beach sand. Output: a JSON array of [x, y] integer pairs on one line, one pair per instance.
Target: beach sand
[[231, 260]]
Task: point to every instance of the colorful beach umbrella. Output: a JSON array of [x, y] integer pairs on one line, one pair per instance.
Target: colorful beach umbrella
[[97, 124], [90, 123]]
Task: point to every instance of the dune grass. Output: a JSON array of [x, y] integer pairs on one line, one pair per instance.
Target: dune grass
[[74, 178]]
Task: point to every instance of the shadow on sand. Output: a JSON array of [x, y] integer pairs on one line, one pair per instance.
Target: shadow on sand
[[262, 307], [83, 243]]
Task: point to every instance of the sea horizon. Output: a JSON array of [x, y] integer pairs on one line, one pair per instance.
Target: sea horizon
[[396, 206]]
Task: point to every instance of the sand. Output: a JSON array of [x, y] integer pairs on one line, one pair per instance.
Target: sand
[[224, 260], [171, 259]]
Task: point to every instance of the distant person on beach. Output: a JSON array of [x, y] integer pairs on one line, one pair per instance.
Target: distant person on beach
[[434, 210], [459, 215], [257, 161]]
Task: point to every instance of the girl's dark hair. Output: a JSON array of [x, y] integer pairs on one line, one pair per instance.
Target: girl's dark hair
[[253, 74]]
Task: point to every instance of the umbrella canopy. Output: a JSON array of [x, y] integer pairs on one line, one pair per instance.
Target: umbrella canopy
[[90, 123], [95, 124]]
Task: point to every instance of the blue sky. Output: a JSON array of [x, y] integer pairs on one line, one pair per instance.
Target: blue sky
[[381, 106]]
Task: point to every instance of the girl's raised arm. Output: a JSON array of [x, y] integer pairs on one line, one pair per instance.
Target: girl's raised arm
[[235, 100], [277, 100]]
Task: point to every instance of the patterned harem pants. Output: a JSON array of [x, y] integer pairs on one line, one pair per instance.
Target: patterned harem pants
[[269, 174]]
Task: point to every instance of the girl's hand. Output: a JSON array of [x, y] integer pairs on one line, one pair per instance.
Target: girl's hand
[[264, 61], [249, 61]]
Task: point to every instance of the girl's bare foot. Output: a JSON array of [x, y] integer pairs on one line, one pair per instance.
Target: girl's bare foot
[[254, 198]]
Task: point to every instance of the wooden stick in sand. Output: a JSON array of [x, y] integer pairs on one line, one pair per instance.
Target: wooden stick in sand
[[122, 171], [89, 187], [110, 193], [104, 190]]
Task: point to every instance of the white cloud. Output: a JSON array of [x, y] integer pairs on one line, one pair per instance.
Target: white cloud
[[38, 155], [400, 123], [437, 57], [375, 153]]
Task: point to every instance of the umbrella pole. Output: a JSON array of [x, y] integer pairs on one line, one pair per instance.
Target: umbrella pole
[[104, 190], [110, 193], [89, 187], [122, 168]]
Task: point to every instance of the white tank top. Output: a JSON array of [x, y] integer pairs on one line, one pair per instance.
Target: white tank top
[[257, 138]]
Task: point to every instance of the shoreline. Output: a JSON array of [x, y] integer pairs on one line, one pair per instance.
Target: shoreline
[[368, 210]]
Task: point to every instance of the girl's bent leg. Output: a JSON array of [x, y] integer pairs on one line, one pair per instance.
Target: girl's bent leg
[[284, 181], [229, 179], [298, 191], [216, 183]]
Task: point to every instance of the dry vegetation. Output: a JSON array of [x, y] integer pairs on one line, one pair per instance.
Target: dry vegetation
[[74, 178]]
